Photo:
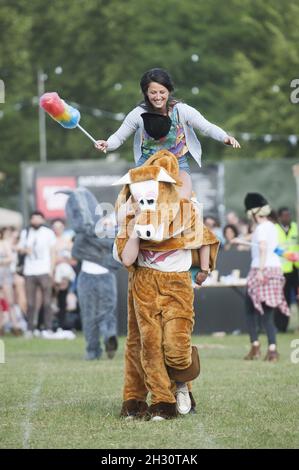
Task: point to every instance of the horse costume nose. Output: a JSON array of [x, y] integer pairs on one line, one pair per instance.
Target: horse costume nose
[[146, 232]]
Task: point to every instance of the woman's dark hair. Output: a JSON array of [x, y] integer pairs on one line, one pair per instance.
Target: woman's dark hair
[[233, 228], [159, 76], [37, 213], [281, 210]]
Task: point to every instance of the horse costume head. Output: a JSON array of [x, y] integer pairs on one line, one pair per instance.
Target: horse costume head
[[160, 213], [161, 219]]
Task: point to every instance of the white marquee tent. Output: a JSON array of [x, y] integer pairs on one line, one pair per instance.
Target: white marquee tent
[[9, 218]]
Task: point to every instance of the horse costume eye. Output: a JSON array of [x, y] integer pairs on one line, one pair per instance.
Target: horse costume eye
[[150, 201], [142, 202]]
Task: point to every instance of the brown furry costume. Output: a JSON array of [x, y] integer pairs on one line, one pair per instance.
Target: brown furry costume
[[160, 304]]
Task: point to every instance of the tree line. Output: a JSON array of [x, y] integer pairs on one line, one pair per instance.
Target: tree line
[[233, 61]]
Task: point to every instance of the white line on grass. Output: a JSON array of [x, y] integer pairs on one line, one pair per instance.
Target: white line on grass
[[31, 409]]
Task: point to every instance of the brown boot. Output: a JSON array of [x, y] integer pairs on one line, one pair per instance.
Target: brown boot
[[254, 353], [271, 356]]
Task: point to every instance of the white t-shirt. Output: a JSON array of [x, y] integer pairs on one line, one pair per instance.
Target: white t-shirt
[[40, 241], [166, 261], [93, 268], [267, 232]]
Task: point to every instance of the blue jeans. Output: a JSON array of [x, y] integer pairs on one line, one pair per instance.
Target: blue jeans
[[183, 163], [97, 296]]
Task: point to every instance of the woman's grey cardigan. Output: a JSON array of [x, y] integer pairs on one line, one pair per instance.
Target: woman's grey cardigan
[[190, 119]]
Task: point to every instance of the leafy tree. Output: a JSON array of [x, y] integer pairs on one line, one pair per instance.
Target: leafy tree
[[232, 60]]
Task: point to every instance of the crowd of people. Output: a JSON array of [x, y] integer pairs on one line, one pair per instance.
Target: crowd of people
[[41, 293], [37, 278]]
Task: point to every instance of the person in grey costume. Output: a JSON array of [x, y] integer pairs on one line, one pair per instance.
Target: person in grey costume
[[96, 286]]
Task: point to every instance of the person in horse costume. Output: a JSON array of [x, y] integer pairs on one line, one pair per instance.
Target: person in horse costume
[[158, 241]]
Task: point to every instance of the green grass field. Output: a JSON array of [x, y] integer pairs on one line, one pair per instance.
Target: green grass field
[[51, 398]]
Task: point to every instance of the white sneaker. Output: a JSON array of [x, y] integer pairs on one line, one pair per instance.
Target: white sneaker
[[36, 333], [63, 334], [47, 334], [69, 335], [129, 418], [183, 401], [28, 334]]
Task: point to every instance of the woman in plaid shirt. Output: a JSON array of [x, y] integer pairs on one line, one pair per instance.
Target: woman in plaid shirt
[[265, 279]]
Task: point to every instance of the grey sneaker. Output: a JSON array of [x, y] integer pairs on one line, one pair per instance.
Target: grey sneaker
[[111, 346], [90, 356], [183, 401]]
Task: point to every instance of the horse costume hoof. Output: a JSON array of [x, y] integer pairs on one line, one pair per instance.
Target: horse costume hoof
[[161, 411], [134, 409]]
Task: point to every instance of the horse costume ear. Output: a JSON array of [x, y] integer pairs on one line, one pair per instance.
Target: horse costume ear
[[126, 179], [164, 176]]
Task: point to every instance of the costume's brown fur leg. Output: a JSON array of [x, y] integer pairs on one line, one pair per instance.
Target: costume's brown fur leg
[[146, 295], [134, 387], [178, 316], [177, 343]]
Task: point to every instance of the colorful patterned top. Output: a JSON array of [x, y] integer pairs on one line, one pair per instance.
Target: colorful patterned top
[[174, 141]]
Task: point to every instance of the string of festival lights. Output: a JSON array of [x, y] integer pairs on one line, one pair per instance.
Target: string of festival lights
[[293, 139]]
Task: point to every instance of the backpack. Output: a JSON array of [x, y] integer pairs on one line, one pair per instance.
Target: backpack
[[21, 258]]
